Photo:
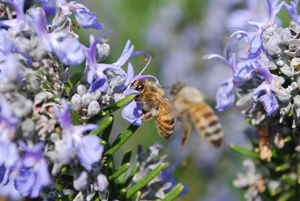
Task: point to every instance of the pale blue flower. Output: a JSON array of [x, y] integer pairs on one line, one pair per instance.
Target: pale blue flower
[[292, 10], [67, 49], [33, 174], [87, 148]]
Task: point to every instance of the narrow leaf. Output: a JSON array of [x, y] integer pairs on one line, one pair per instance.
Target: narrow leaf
[[127, 156], [107, 131], [121, 139], [285, 196], [143, 182], [283, 167], [75, 118], [71, 83], [131, 175], [243, 151], [103, 125], [137, 196], [288, 180], [276, 192], [114, 107], [119, 171], [174, 193], [126, 159]]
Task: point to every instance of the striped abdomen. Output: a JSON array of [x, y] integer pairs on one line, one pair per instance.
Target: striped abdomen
[[165, 121], [207, 123]]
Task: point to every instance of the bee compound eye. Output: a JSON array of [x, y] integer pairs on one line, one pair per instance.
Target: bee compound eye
[[140, 87]]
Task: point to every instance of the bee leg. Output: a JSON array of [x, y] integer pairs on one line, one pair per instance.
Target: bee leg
[[147, 115], [186, 131]]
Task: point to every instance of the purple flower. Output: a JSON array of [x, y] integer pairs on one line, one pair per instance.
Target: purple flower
[[8, 125], [225, 95], [20, 22], [49, 6], [67, 49], [101, 183], [95, 72], [82, 181], [84, 17], [87, 148], [32, 171], [8, 189], [128, 53], [10, 69], [132, 112], [273, 11], [6, 45], [167, 177], [269, 87], [255, 38], [292, 10]]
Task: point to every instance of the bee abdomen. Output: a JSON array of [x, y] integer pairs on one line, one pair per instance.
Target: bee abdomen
[[207, 123], [165, 126]]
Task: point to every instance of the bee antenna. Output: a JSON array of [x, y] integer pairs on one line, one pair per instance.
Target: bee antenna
[[128, 85]]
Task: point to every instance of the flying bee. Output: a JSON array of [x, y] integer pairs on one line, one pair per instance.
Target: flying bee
[[155, 104], [189, 103]]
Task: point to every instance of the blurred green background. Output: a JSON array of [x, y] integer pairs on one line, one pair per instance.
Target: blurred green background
[[178, 33]]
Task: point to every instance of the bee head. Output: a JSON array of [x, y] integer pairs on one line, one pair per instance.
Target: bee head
[[175, 88], [139, 85]]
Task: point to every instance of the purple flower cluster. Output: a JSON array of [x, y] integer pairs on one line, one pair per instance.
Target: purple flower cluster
[[265, 49], [39, 139], [266, 80]]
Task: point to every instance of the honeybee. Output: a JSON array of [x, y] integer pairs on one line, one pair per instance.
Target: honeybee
[[189, 103], [155, 104]]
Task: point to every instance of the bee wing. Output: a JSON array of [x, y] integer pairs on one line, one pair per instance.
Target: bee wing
[[207, 123]]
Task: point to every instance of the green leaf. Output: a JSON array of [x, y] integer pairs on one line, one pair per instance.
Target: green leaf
[[243, 151], [285, 196], [288, 138], [126, 159], [174, 193], [103, 125], [131, 175], [74, 118], [107, 131], [137, 196], [283, 167], [288, 180], [143, 182], [71, 83], [113, 108], [121, 139], [119, 171], [276, 192]]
